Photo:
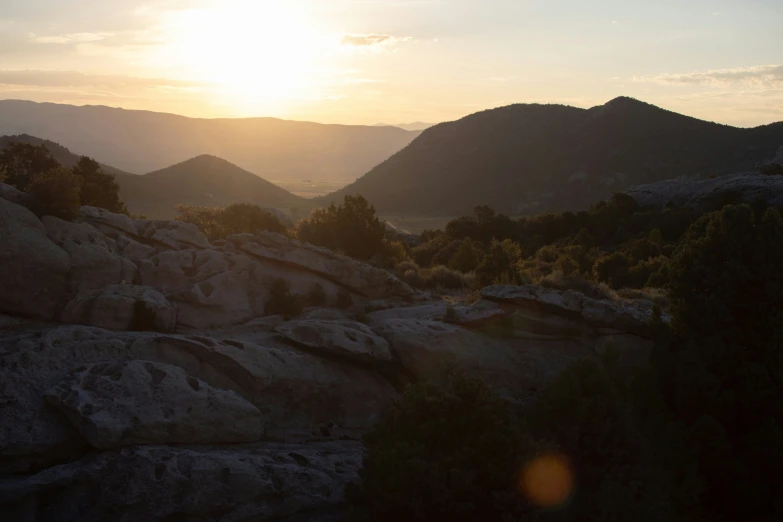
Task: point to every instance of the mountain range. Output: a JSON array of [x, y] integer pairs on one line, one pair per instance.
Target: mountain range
[[519, 159], [533, 158], [143, 141]]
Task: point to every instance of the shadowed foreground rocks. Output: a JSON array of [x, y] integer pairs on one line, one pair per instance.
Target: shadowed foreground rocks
[[141, 380]]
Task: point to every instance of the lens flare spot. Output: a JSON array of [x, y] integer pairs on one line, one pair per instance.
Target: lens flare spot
[[547, 481]]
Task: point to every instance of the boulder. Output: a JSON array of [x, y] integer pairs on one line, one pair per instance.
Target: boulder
[[516, 367], [115, 404], [108, 222], [158, 483], [173, 234], [698, 194], [33, 270], [342, 338], [121, 307], [473, 314], [299, 394], [15, 195], [359, 277], [94, 263], [219, 301], [572, 307]]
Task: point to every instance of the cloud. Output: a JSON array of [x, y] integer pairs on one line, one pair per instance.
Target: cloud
[[758, 76], [74, 79], [372, 41], [69, 38]]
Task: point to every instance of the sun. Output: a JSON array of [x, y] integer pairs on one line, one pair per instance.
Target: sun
[[252, 51]]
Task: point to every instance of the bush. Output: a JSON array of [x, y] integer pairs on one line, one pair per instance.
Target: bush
[[56, 193], [21, 163], [350, 227], [466, 258], [445, 451], [246, 218], [593, 290], [240, 218], [596, 414], [98, 189], [721, 371], [282, 302], [438, 277], [316, 296]]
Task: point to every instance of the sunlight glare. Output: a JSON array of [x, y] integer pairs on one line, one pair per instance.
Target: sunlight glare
[[256, 51]]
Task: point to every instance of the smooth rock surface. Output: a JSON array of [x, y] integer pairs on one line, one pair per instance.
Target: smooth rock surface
[[116, 404], [159, 483], [173, 234], [747, 187], [122, 307], [106, 221], [342, 338], [93, 257], [33, 270], [361, 278]]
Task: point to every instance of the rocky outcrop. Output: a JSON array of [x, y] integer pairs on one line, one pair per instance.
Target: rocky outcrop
[[116, 404], [349, 339], [704, 193], [583, 313], [54, 269], [34, 271], [262, 482], [121, 307], [358, 277], [169, 394]]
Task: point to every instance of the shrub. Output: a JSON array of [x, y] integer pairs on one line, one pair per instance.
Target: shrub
[[239, 218], [561, 282], [450, 316], [721, 371], [207, 219], [592, 413], [21, 163], [316, 296], [466, 258], [445, 451], [612, 269], [282, 302], [98, 189], [246, 218], [350, 227], [56, 193]]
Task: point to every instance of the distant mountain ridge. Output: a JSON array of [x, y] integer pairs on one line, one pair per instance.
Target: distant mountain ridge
[[415, 126], [535, 158], [202, 181], [144, 141]]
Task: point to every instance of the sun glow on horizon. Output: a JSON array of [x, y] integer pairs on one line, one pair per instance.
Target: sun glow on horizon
[[255, 53]]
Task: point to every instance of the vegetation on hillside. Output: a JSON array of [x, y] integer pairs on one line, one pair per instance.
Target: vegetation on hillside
[[240, 218], [614, 247], [59, 191], [530, 158], [695, 436]]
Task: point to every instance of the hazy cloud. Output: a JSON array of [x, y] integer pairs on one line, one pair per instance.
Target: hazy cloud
[[44, 78], [760, 75], [69, 38], [372, 41]]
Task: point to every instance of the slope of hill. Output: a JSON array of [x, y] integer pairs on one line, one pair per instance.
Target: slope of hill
[[63, 155], [142, 141], [415, 126], [534, 158], [203, 181]]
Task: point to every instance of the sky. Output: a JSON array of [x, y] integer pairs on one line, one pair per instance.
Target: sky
[[395, 61]]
